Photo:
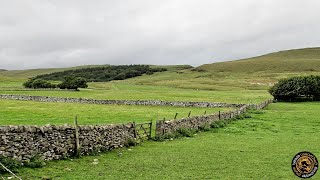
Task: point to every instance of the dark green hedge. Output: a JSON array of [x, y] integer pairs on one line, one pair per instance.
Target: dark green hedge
[[297, 88]]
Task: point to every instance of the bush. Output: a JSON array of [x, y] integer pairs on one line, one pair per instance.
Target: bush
[[11, 164], [218, 124], [295, 88], [186, 132], [205, 127], [73, 83], [130, 142], [35, 162], [38, 83]]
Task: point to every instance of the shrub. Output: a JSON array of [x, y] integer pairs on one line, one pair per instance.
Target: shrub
[[38, 83], [35, 162], [243, 116], [11, 164], [186, 132], [130, 142], [205, 127], [295, 88], [218, 124], [73, 83]]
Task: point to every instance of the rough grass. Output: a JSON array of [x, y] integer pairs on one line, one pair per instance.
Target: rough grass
[[14, 112], [261, 147], [298, 60]]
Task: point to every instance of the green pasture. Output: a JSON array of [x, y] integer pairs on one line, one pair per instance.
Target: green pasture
[[261, 147], [14, 112]]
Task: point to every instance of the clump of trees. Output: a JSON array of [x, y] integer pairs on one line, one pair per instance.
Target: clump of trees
[[68, 83], [297, 88], [104, 73], [73, 83], [39, 84]]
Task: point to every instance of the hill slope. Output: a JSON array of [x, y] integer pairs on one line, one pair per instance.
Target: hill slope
[[297, 60], [28, 73]]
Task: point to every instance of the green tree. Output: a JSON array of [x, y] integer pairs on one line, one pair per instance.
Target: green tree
[[299, 87], [73, 83]]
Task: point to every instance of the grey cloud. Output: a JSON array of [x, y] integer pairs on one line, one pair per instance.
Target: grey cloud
[[44, 33]]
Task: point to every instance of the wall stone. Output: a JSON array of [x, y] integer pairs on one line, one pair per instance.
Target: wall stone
[[166, 127], [57, 142], [120, 102]]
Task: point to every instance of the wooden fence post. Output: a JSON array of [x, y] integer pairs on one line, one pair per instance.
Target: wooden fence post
[[150, 129], [175, 117], [77, 145], [189, 114], [134, 129]]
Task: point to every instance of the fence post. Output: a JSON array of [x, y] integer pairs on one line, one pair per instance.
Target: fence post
[[205, 112], [219, 115], [150, 129], [77, 145], [189, 114], [134, 129], [175, 117]]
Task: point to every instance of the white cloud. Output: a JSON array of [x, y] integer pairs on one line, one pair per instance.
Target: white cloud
[[43, 33]]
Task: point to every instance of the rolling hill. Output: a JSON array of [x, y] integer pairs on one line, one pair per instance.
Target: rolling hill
[[297, 60], [28, 73], [256, 73]]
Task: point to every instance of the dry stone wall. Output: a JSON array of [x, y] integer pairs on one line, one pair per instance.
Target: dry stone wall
[[119, 102], [165, 127], [58, 142]]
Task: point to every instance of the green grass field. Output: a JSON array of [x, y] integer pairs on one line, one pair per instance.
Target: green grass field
[[14, 112], [258, 148]]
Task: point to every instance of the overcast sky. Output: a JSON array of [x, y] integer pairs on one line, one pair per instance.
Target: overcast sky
[[43, 33]]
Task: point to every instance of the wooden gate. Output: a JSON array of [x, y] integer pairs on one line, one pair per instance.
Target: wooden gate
[[143, 130]]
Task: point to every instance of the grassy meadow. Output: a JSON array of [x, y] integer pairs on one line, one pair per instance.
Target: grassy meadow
[[14, 112], [260, 147]]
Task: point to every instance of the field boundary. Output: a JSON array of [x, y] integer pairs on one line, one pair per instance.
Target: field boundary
[[120, 102], [53, 142], [165, 128]]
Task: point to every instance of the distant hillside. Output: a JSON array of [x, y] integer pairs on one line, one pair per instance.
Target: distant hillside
[[3, 70], [28, 73], [103, 73], [297, 60]]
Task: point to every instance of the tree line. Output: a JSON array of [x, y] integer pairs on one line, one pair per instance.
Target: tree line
[[103, 74], [68, 83], [297, 88]]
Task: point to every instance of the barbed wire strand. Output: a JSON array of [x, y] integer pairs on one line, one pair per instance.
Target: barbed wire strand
[[10, 171]]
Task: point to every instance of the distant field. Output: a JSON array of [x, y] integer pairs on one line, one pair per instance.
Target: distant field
[[242, 81], [14, 112], [143, 92], [258, 148]]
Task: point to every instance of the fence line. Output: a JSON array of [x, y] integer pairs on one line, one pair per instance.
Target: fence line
[[163, 127], [58, 142]]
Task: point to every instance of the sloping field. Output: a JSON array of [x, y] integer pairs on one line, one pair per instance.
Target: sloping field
[[298, 60]]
